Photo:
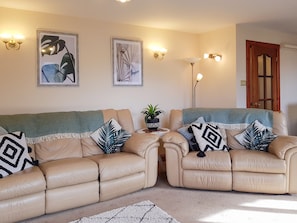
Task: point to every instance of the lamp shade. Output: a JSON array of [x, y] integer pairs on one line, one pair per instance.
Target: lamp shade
[[199, 77], [192, 60]]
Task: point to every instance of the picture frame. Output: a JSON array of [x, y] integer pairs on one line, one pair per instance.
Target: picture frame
[[127, 62], [57, 55]]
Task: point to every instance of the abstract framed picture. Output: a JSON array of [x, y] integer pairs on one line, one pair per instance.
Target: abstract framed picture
[[127, 62], [57, 55]]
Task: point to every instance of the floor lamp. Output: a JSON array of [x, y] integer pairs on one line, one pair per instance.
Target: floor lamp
[[192, 62]]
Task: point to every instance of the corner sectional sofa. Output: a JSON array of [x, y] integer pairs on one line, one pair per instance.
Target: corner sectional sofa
[[238, 168], [73, 171]]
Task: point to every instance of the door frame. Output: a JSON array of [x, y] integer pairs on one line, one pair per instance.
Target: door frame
[[249, 66]]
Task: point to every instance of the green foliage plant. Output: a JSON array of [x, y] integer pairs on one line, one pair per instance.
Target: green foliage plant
[[151, 112]]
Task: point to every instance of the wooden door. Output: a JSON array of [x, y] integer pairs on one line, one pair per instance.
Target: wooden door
[[263, 87]]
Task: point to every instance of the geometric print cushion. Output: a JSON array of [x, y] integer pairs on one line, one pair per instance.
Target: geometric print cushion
[[209, 137], [256, 137], [110, 137], [184, 131], [14, 154]]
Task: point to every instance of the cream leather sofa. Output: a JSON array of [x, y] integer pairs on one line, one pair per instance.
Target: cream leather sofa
[[73, 171], [243, 170]]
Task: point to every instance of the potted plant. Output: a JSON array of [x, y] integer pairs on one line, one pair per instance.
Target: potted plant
[[151, 113]]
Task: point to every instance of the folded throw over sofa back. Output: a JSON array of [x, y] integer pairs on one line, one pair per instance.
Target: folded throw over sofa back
[[241, 117], [60, 135], [48, 126]]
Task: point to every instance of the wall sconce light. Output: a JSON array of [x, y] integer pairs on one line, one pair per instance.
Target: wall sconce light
[[123, 1], [12, 41], [216, 57], [159, 52]]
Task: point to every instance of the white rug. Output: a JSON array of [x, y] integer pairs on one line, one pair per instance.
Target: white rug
[[142, 212]]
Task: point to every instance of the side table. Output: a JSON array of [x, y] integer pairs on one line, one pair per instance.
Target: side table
[[160, 131], [161, 152]]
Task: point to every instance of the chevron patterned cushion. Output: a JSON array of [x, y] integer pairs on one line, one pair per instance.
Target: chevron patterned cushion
[[209, 137], [14, 154], [110, 137], [189, 134]]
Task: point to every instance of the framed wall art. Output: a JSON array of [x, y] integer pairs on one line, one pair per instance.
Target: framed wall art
[[57, 59], [127, 62]]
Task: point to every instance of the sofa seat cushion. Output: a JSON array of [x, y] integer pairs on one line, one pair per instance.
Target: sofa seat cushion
[[207, 180], [117, 165], [22, 183], [71, 171], [256, 161], [214, 160]]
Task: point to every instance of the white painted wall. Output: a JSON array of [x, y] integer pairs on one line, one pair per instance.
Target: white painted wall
[[165, 82], [288, 68], [218, 87]]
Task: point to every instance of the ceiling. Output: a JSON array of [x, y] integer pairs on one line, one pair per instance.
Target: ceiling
[[194, 16]]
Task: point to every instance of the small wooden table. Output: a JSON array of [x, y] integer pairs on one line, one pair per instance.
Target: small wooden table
[[160, 131]]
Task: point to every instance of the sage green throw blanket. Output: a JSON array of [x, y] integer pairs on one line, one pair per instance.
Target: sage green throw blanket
[[58, 124], [229, 115]]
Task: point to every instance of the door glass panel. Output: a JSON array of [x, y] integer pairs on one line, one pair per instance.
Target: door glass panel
[[268, 104], [261, 87], [268, 88], [260, 65], [268, 65]]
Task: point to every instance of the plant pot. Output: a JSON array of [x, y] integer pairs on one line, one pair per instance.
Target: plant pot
[[153, 124]]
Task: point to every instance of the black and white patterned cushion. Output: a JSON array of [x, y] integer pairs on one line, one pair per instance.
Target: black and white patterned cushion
[[14, 154], [208, 137], [256, 137], [188, 134], [110, 137]]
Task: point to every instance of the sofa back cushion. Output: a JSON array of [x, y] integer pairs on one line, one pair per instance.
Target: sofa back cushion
[[122, 116], [89, 147], [125, 120], [58, 149]]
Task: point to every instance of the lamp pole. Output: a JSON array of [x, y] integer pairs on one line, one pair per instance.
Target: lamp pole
[[192, 62], [192, 86], [198, 78]]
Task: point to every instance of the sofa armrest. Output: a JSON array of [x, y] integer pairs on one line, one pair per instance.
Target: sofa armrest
[[177, 139], [146, 146], [285, 147], [139, 143], [281, 145], [176, 147]]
